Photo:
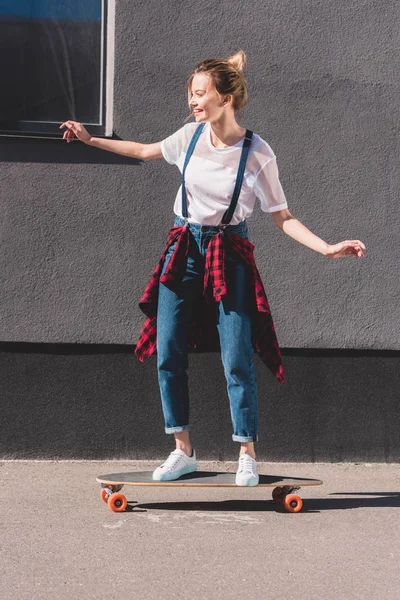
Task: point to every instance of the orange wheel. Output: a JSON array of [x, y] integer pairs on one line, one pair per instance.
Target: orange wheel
[[277, 495], [293, 503], [117, 502], [103, 495]]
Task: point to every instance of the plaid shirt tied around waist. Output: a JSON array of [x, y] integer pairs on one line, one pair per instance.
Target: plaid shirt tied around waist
[[203, 335]]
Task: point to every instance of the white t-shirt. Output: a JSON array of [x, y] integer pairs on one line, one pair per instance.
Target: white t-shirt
[[211, 175]]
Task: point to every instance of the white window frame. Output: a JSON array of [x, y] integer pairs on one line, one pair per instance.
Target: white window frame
[[48, 129]]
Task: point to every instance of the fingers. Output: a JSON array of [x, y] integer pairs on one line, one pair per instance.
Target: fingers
[[69, 124], [348, 248], [72, 128], [355, 247], [68, 135], [356, 250], [355, 243]]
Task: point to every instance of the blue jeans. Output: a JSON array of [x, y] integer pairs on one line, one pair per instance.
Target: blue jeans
[[234, 329]]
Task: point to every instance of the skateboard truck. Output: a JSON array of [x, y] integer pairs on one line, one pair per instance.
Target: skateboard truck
[[109, 493], [285, 495]]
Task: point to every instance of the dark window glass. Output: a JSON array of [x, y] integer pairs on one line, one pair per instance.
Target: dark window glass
[[51, 57]]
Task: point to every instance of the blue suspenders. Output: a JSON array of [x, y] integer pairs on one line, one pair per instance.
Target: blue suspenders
[[189, 153], [226, 219]]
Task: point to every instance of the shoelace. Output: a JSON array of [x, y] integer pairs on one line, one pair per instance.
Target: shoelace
[[172, 460], [247, 465]]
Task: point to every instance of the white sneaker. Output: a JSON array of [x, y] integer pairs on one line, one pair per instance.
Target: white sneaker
[[177, 464], [247, 471]]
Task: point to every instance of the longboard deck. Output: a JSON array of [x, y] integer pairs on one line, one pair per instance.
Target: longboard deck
[[202, 479]]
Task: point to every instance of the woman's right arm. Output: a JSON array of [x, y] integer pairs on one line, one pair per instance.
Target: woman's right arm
[[131, 149]]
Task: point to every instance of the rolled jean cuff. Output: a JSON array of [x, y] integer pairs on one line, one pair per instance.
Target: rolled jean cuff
[[178, 429], [242, 438]]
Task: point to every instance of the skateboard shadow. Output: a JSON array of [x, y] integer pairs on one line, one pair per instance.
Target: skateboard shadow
[[310, 505]]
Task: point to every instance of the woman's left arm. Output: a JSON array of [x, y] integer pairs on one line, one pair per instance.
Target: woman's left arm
[[292, 227]]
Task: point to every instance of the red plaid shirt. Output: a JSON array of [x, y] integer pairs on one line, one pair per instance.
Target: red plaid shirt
[[203, 335]]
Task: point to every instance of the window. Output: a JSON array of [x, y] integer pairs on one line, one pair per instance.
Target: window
[[57, 64]]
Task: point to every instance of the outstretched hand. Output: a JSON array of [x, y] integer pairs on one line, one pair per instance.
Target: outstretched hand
[[346, 248], [75, 129]]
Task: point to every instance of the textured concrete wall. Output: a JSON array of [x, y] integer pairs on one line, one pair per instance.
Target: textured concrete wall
[[82, 229]]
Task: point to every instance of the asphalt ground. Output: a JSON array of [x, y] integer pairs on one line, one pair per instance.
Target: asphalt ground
[[59, 540]]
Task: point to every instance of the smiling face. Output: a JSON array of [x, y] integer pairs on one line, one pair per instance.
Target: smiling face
[[205, 102]]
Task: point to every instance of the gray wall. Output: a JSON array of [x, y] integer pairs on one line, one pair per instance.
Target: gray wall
[[82, 229]]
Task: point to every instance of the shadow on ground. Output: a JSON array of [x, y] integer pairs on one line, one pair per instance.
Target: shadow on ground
[[311, 505]]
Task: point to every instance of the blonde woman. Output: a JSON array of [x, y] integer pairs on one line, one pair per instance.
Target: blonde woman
[[206, 280]]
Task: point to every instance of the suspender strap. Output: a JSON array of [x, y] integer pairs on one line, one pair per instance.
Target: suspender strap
[[239, 179], [226, 219], [189, 153]]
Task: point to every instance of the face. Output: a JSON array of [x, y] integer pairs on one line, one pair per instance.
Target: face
[[205, 102]]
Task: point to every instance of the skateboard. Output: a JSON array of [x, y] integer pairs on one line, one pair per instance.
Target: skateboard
[[283, 492]]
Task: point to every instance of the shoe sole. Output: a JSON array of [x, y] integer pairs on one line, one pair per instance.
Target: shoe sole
[[250, 483], [175, 475]]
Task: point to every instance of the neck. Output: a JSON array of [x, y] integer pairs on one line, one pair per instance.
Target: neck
[[226, 132]]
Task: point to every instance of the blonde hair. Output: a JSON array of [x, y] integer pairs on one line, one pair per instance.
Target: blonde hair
[[227, 77]]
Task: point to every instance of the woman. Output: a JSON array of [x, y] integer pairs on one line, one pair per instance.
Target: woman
[[209, 242]]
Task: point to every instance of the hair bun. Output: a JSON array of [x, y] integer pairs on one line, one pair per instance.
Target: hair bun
[[238, 60]]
